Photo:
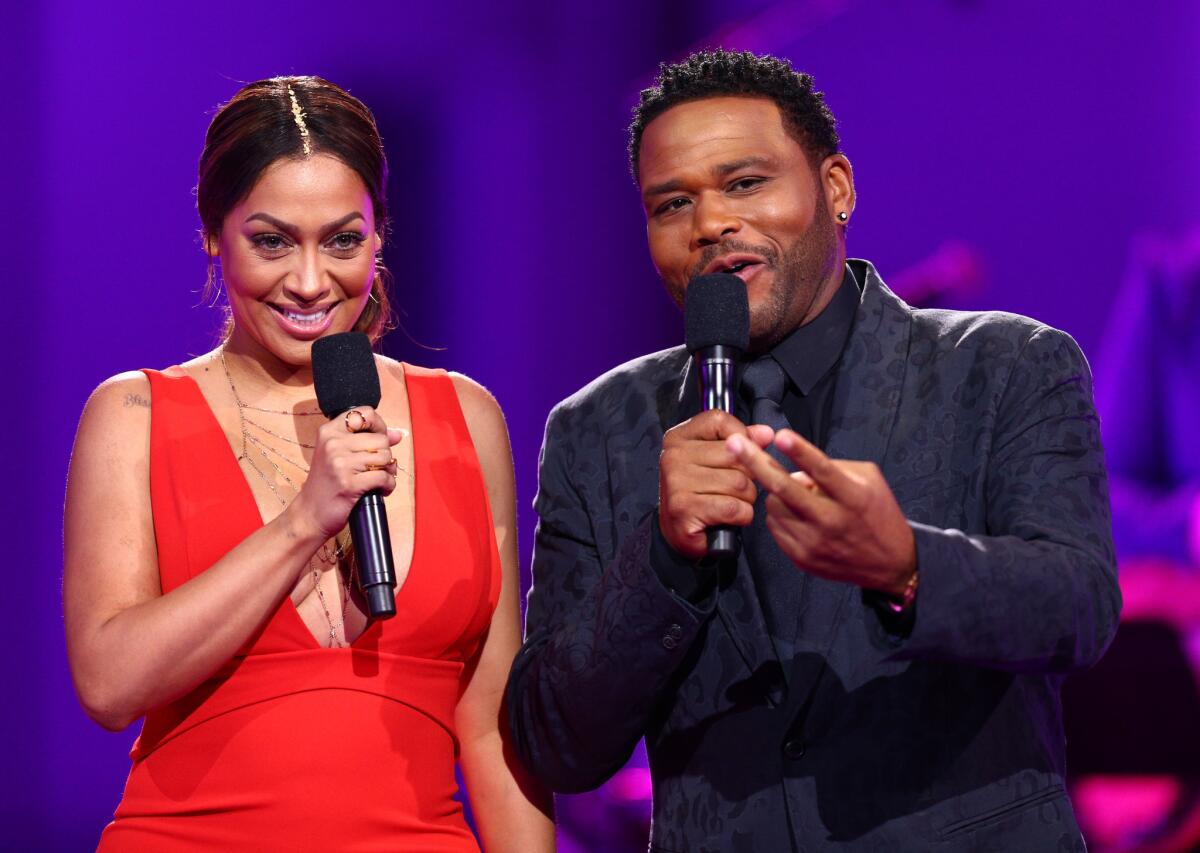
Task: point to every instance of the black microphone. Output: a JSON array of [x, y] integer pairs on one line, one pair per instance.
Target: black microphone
[[716, 318], [345, 376]]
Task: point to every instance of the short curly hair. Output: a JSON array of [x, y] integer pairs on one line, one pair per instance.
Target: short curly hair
[[716, 73]]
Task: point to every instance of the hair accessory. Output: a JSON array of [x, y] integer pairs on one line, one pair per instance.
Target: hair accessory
[[298, 115], [842, 216]]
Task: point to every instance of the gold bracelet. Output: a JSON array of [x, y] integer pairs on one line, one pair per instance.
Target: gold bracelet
[[907, 596]]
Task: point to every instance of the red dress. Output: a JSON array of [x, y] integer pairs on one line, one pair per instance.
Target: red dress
[[291, 746]]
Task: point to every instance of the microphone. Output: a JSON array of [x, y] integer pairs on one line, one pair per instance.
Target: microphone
[[716, 319], [345, 376]]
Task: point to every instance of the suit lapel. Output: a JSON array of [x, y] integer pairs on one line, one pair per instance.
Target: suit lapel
[[865, 407], [870, 379]]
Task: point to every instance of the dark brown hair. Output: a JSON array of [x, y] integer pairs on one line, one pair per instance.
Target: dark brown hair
[[258, 126]]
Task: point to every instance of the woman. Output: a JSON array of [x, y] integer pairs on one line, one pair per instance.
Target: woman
[[209, 577]]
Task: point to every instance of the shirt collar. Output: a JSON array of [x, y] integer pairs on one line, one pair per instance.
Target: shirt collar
[[812, 350]]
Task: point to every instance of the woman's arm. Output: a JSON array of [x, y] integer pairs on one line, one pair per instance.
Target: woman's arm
[[130, 647], [512, 811]]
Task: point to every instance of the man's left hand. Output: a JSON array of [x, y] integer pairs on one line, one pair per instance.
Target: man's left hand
[[834, 518]]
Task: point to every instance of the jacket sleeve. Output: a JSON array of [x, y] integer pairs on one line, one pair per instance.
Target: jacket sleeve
[[1037, 591], [602, 641]]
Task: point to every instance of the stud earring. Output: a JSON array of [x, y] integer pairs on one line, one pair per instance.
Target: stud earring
[[842, 216]]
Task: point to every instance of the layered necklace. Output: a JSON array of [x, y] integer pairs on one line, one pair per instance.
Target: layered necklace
[[336, 552]]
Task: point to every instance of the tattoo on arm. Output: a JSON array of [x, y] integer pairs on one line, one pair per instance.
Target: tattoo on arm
[[136, 400]]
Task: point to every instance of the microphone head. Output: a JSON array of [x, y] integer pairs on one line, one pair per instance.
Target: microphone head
[[344, 372], [716, 311]]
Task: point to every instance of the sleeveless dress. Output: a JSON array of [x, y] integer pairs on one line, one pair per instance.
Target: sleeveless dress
[[291, 746]]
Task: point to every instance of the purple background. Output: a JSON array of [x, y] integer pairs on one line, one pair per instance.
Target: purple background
[[1044, 136]]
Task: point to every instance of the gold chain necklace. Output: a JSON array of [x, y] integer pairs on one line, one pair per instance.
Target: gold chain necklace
[[324, 554]]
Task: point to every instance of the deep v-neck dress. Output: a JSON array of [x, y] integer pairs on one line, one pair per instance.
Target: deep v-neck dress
[[291, 746]]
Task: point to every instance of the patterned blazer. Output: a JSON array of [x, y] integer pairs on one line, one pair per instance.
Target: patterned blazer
[[949, 738]]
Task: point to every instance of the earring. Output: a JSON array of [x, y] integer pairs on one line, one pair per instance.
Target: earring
[[842, 216], [214, 283]]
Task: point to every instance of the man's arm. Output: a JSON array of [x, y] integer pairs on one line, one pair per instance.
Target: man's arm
[[1037, 591], [603, 642]]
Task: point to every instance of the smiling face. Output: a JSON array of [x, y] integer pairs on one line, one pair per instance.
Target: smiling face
[[298, 257], [727, 189]]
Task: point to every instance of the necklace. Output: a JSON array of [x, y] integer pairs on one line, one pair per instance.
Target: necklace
[[276, 411], [333, 556]]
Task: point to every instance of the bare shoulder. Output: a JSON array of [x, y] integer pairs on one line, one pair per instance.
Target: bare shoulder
[[480, 409], [489, 432], [126, 395], [117, 414], [128, 390]]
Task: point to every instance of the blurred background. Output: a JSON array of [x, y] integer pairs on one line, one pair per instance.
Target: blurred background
[[1042, 158]]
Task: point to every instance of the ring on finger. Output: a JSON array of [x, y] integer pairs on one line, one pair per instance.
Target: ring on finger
[[362, 421], [381, 466]]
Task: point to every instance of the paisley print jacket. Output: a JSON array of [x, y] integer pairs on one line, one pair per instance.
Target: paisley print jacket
[[948, 738]]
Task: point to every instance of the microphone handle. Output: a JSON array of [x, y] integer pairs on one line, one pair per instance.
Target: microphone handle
[[723, 542], [717, 372], [373, 553]]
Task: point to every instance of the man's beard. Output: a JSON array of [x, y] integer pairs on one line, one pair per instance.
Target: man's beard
[[798, 276]]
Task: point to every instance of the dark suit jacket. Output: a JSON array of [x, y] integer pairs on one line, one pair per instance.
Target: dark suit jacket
[[949, 738]]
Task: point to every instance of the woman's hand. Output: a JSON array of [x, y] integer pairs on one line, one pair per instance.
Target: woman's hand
[[352, 457]]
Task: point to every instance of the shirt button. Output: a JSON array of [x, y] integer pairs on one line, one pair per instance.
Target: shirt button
[[669, 642], [794, 748], [675, 631]]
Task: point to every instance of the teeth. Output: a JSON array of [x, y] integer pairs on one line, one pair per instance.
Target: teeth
[[305, 319]]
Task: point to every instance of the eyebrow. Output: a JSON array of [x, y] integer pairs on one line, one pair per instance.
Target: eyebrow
[[286, 226], [719, 171]]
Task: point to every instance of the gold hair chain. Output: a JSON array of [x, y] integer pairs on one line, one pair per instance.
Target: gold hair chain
[[298, 115]]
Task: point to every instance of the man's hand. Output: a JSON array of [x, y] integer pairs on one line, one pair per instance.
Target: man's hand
[[834, 518], [700, 483]]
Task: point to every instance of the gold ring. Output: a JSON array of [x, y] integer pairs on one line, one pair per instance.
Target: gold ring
[[375, 466], [362, 421]]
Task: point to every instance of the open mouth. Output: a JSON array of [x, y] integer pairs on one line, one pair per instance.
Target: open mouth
[[733, 264], [313, 317]]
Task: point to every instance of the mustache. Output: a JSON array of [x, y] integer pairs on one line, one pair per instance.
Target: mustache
[[728, 247]]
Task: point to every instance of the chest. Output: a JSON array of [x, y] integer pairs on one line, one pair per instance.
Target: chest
[[207, 500]]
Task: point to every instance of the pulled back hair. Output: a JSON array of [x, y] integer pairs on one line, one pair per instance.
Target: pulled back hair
[[718, 73], [258, 126]]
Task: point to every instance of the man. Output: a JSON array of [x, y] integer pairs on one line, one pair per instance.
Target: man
[[880, 668]]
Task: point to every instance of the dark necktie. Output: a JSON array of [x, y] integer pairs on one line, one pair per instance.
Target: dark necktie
[[763, 384], [780, 584]]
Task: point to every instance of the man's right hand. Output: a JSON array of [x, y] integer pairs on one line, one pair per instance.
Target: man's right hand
[[700, 483]]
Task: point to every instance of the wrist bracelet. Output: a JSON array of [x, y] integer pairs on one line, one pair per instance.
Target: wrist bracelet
[[907, 596]]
